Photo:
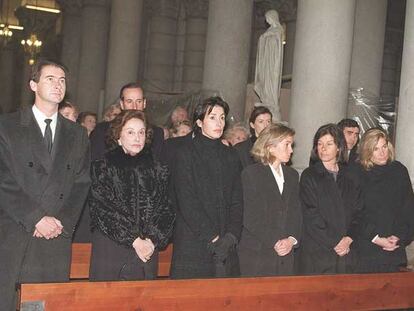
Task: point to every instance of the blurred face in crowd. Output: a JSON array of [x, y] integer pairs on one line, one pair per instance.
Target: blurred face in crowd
[[380, 154], [113, 113], [213, 124], [179, 114], [69, 113], [133, 98], [132, 137], [283, 150], [327, 149], [89, 123], [237, 137], [351, 136], [182, 130], [51, 87], [261, 122]]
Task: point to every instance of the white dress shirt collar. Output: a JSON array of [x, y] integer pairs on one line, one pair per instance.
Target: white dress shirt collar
[[280, 178], [40, 119]]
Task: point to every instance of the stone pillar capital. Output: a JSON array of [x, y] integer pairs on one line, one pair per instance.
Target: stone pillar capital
[[96, 3], [167, 8], [70, 7], [196, 8], [35, 21]]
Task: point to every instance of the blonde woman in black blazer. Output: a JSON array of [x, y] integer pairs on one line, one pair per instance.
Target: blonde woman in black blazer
[[272, 211]]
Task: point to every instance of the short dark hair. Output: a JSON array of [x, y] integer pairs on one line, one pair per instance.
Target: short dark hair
[[82, 116], [339, 139], [130, 85], [40, 64], [347, 123], [204, 108], [65, 104], [257, 111], [119, 122]]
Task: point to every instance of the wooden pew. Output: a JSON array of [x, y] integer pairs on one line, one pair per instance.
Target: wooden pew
[[335, 292], [81, 256]]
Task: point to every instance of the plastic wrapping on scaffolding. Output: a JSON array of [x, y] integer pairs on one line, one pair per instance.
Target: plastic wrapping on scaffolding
[[370, 111]]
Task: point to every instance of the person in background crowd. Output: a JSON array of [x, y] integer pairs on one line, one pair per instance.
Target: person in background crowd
[[179, 114], [272, 217], [112, 111], [131, 217], [387, 226], [331, 205], [259, 119], [235, 134], [180, 128], [351, 131], [44, 169], [69, 111], [88, 120], [209, 200]]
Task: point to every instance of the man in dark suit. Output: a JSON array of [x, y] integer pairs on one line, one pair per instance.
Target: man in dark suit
[[44, 169], [131, 97], [351, 130]]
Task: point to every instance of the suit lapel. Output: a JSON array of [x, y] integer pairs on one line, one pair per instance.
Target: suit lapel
[[271, 187], [63, 143], [288, 184], [35, 139]]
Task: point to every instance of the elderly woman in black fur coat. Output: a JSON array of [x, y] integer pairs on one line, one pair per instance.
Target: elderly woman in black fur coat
[[208, 195], [131, 217]]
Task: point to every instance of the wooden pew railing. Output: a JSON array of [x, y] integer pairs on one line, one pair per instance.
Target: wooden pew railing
[[335, 292], [81, 256]]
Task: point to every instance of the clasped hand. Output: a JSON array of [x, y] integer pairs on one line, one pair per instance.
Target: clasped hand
[[388, 244], [342, 248], [48, 227], [143, 248], [284, 246]]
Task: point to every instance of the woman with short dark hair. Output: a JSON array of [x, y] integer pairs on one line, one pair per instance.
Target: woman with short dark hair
[[259, 119], [272, 217], [131, 217], [331, 207], [387, 226], [208, 198]]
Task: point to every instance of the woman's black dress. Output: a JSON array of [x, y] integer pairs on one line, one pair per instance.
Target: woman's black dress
[[208, 196], [128, 199]]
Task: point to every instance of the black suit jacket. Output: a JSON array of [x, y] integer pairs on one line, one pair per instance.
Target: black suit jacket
[[34, 184], [268, 217]]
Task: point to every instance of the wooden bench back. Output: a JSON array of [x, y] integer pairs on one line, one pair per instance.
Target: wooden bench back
[[339, 292], [81, 256]]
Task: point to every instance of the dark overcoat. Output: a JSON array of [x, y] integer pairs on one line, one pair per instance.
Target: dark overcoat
[[388, 210], [268, 217], [243, 149], [34, 184], [208, 197], [331, 211]]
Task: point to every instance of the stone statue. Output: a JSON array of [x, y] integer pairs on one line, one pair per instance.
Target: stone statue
[[269, 63]]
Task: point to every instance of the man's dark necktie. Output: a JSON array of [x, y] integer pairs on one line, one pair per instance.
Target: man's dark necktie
[[48, 135]]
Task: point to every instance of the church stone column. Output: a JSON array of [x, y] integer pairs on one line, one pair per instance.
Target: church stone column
[[368, 47], [321, 65], [161, 54], [405, 124], [71, 42], [227, 51], [195, 44], [92, 65], [123, 52]]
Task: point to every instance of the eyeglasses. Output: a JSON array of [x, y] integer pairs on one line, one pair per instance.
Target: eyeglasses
[[131, 101]]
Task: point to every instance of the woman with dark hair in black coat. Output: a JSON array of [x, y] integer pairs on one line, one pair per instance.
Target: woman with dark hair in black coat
[[387, 225], [331, 207], [131, 216], [208, 196]]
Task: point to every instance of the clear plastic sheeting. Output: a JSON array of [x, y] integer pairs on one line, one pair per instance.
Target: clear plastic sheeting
[[370, 111], [160, 105]]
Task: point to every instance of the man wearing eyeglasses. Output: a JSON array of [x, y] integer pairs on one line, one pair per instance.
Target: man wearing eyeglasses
[[131, 97]]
